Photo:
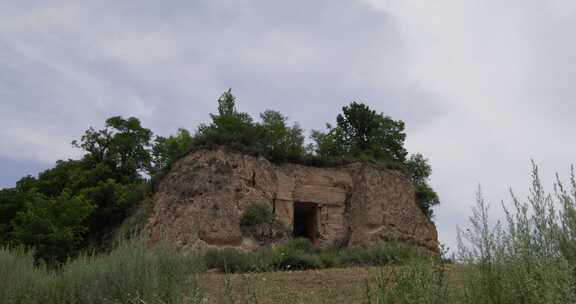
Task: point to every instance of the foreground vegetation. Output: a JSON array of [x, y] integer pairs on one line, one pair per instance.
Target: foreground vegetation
[[131, 273], [527, 258]]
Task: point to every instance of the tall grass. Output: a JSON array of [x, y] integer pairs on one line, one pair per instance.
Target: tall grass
[[131, 273], [527, 258], [421, 282]]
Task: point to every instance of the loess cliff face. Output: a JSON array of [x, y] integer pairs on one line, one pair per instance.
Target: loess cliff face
[[200, 202]]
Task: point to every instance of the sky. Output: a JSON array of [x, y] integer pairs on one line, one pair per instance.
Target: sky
[[484, 86]]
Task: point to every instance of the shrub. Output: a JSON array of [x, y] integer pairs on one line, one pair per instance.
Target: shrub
[[256, 214], [294, 254], [298, 253], [521, 262], [297, 244], [233, 260], [296, 260]]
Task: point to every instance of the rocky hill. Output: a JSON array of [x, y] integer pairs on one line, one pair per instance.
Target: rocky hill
[[200, 203]]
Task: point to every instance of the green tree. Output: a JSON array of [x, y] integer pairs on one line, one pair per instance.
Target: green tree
[[229, 127], [325, 145], [53, 227], [65, 175], [166, 149], [280, 141], [123, 145], [111, 203], [11, 202], [420, 171], [361, 133]]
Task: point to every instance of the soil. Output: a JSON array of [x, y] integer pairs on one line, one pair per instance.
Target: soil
[[337, 285]]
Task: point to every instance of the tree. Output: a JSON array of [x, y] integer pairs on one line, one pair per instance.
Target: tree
[[280, 141], [166, 149], [65, 175], [420, 171], [361, 133], [11, 202], [110, 201], [229, 127], [123, 145], [325, 145], [53, 227]]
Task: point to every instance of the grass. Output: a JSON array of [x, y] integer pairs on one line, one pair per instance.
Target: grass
[[131, 273], [299, 254]]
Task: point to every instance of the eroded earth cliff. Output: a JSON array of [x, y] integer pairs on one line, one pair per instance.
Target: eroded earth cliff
[[200, 202]]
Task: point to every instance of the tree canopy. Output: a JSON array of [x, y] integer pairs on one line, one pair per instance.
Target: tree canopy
[[361, 133]]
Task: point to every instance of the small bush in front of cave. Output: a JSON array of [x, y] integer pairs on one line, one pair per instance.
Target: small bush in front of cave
[[259, 222], [256, 214]]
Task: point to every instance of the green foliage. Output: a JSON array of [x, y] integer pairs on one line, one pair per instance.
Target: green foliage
[[382, 253], [256, 214], [65, 175], [426, 198], [296, 254], [325, 145], [233, 260], [524, 260], [131, 273], [303, 245], [111, 200], [229, 127], [280, 141], [122, 145], [11, 202], [423, 282], [419, 171], [362, 133], [300, 254], [167, 149], [52, 226]]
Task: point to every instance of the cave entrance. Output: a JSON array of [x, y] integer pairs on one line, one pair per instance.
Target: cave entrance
[[305, 220]]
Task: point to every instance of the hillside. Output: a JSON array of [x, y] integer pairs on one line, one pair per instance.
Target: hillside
[[202, 200]]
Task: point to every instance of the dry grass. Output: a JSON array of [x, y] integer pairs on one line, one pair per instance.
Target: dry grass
[[337, 285]]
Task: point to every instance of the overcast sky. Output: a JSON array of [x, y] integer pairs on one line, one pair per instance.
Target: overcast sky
[[483, 86]]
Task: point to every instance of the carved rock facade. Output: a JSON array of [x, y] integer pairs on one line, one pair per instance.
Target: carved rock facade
[[200, 202]]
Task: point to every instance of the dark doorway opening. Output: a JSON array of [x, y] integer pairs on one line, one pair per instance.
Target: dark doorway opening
[[305, 220]]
